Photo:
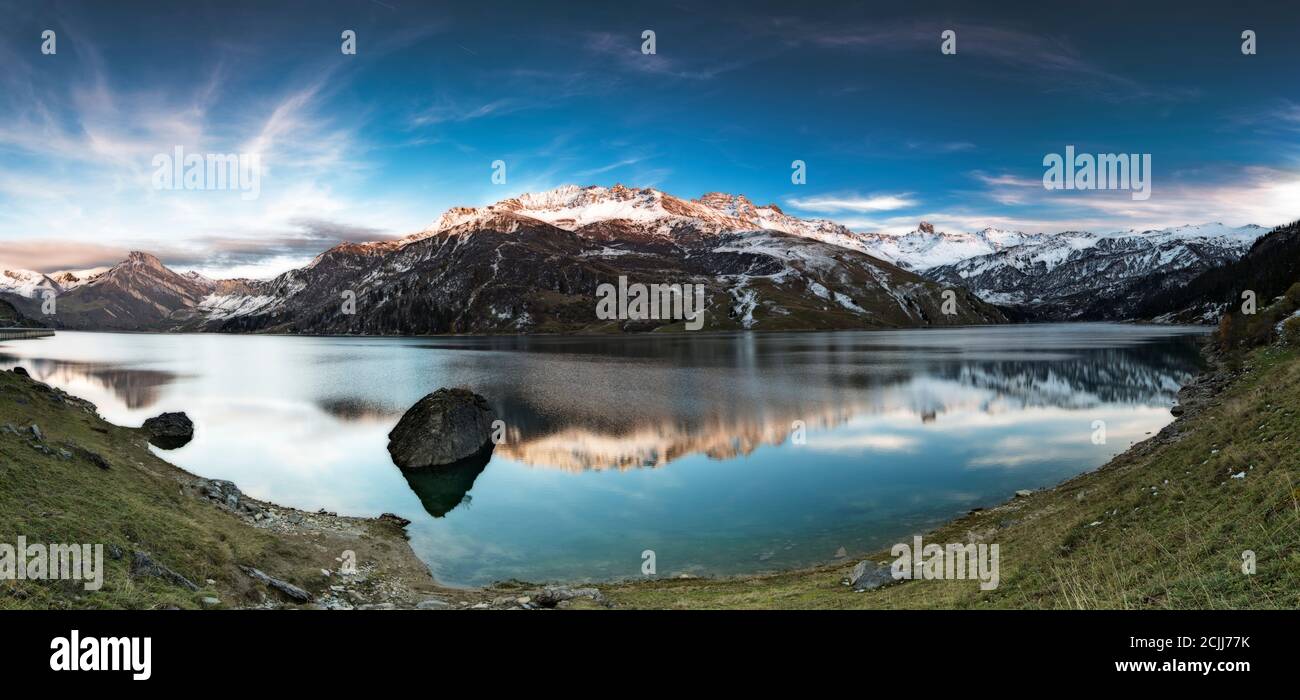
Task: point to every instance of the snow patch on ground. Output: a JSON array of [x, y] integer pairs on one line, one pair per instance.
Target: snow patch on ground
[[746, 300], [221, 306]]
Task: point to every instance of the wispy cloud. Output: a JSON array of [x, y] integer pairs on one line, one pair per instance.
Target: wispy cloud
[[940, 147], [303, 237], [853, 203], [626, 162], [52, 256], [81, 155], [448, 110], [624, 51], [307, 237], [1280, 115], [1253, 195], [1052, 62], [1005, 179]]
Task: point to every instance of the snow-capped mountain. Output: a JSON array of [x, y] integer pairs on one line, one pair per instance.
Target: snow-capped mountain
[[532, 263], [926, 248], [71, 279], [25, 283], [28, 283], [140, 293], [652, 214], [1092, 276]]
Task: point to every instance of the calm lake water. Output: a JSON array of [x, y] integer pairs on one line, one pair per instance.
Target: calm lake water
[[685, 445]]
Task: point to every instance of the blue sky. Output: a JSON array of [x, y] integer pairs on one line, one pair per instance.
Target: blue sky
[[378, 144]]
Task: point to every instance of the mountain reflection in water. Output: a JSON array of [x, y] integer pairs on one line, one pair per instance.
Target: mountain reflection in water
[[136, 388]]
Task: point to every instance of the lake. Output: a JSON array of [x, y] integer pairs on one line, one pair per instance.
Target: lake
[[721, 453]]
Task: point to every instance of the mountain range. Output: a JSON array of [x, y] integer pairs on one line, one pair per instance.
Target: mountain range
[[1086, 276], [532, 264], [28, 283]]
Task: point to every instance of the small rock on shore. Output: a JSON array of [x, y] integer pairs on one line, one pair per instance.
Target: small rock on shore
[[868, 575]]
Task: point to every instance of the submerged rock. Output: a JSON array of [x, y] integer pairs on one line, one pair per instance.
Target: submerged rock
[[169, 430], [442, 428]]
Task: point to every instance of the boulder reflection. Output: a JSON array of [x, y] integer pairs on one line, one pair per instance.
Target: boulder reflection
[[443, 489]]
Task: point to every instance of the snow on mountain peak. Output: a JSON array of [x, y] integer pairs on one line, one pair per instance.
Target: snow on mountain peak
[[572, 207], [453, 217], [29, 283], [25, 283], [737, 205], [1047, 251], [927, 247], [69, 279]]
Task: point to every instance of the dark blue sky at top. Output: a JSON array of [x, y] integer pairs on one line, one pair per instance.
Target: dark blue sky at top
[[382, 142]]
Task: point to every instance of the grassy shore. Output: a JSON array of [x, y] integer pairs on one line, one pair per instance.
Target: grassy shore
[[1163, 525]]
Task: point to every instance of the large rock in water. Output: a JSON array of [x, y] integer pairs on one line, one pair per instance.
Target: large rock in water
[[169, 430], [442, 428]]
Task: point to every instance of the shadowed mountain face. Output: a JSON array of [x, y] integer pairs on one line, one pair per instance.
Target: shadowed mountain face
[[11, 317]]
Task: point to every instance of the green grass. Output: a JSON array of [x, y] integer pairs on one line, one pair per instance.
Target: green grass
[[1179, 548], [140, 503]]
